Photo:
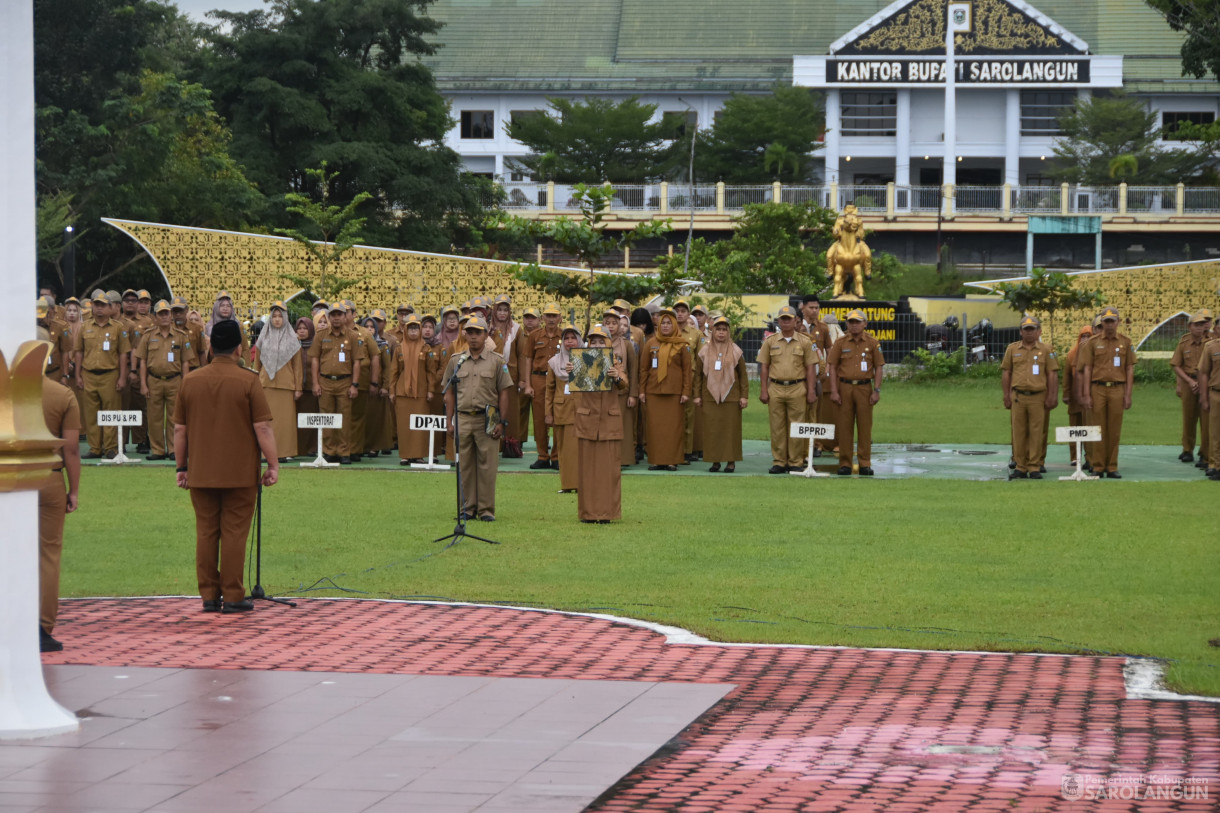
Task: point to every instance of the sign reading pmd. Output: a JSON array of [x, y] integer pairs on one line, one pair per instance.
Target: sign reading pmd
[[110, 417], [1078, 434]]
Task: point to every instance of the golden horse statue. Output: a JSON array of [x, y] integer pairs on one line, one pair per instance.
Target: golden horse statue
[[849, 256]]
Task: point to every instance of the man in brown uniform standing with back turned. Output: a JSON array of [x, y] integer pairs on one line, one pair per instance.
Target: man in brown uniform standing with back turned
[[221, 422]]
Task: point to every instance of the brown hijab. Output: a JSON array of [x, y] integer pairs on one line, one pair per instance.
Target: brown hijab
[[671, 345], [408, 359]]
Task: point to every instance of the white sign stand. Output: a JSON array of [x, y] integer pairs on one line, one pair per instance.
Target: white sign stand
[[319, 421], [116, 418], [814, 432], [1079, 435], [430, 424]]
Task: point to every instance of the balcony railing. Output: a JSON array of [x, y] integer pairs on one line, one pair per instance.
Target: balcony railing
[[1008, 201]]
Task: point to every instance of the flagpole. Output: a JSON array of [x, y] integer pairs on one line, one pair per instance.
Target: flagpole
[[949, 168]]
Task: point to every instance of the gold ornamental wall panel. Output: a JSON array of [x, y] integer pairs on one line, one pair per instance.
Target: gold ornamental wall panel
[[198, 263], [1145, 296]]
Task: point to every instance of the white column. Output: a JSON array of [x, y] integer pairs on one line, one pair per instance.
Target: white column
[[1012, 137], [26, 710], [902, 151], [831, 148], [499, 171], [949, 168]]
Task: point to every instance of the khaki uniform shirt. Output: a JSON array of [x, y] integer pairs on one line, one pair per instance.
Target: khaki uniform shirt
[[219, 405], [102, 345], [479, 379], [1209, 365], [538, 348], [856, 359], [1187, 354], [368, 345], [678, 379], [786, 359], [164, 354], [1030, 366], [1109, 358], [60, 411], [61, 349], [337, 352]]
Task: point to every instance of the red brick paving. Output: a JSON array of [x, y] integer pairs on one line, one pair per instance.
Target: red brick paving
[[805, 729]]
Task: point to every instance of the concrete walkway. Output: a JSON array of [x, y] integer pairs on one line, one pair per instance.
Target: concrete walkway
[[800, 729]]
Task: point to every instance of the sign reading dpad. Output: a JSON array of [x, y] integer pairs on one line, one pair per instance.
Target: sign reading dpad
[[429, 423]]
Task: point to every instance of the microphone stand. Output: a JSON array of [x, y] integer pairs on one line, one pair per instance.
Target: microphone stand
[[257, 592], [459, 530]]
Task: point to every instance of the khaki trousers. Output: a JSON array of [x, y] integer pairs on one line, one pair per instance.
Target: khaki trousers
[[786, 406], [541, 439], [827, 412], [1028, 423], [1074, 419], [99, 395], [357, 438], [478, 456], [222, 524], [52, 510], [162, 395], [335, 401], [1190, 419], [855, 414], [1108, 414], [1213, 429], [523, 417], [132, 399]]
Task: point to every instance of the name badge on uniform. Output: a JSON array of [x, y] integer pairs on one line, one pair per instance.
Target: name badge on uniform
[[654, 362], [342, 355], [1034, 369], [106, 344], [717, 367], [864, 365], [170, 357], [1118, 362], [567, 390]]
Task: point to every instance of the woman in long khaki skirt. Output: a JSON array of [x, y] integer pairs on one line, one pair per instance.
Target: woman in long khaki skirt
[[599, 433], [722, 391], [307, 439], [665, 386], [625, 348], [281, 371], [412, 374], [561, 409]]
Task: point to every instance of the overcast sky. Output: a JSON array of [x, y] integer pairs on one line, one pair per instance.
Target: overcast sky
[[198, 8]]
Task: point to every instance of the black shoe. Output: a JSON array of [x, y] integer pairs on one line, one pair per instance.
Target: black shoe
[[143, 448], [1012, 464], [285, 459], [356, 458], [589, 521], [372, 454], [488, 518], [46, 643], [404, 462], [603, 522], [656, 468], [639, 453], [110, 455], [1041, 470], [866, 471], [157, 457], [844, 470], [243, 606], [91, 456], [555, 465], [817, 452], [714, 467], [462, 517], [540, 464], [777, 470], [1113, 475], [1210, 472], [1017, 475], [1186, 457], [1035, 475], [345, 461], [331, 458], [729, 469], [796, 468], [671, 467], [1202, 463], [211, 605], [1215, 475]]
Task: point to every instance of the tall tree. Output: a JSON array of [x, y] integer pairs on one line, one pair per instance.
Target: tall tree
[[762, 138], [1200, 21], [593, 141], [1048, 292], [337, 227], [338, 81], [1105, 138]]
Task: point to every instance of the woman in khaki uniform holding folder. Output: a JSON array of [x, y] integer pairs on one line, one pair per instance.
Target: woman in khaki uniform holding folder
[[413, 372], [561, 409], [599, 433]]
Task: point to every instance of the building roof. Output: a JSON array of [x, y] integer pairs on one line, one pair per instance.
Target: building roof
[[641, 46]]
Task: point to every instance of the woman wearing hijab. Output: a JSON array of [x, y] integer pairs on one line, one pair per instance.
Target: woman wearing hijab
[[222, 311], [307, 439], [599, 431], [722, 391], [506, 335], [413, 373], [625, 348], [451, 329], [281, 371], [378, 417], [561, 409], [665, 380]]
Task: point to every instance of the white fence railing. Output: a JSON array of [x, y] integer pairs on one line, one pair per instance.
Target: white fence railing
[[891, 200]]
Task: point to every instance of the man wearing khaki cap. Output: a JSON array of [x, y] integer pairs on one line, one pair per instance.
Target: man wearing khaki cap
[[102, 349], [165, 355], [787, 385], [1030, 384], [855, 385], [1185, 363], [537, 350], [1109, 376]]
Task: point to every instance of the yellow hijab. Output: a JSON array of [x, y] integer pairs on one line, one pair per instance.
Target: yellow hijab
[[669, 345]]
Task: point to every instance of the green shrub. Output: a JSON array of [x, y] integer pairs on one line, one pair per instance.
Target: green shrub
[[1154, 371], [922, 366]]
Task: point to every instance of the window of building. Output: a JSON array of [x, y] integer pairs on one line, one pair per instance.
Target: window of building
[[1041, 109], [1172, 121], [478, 124], [869, 114], [518, 177], [515, 117], [676, 122], [1038, 179]]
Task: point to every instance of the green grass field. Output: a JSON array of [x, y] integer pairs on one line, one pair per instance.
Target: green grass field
[[1130, 569]]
